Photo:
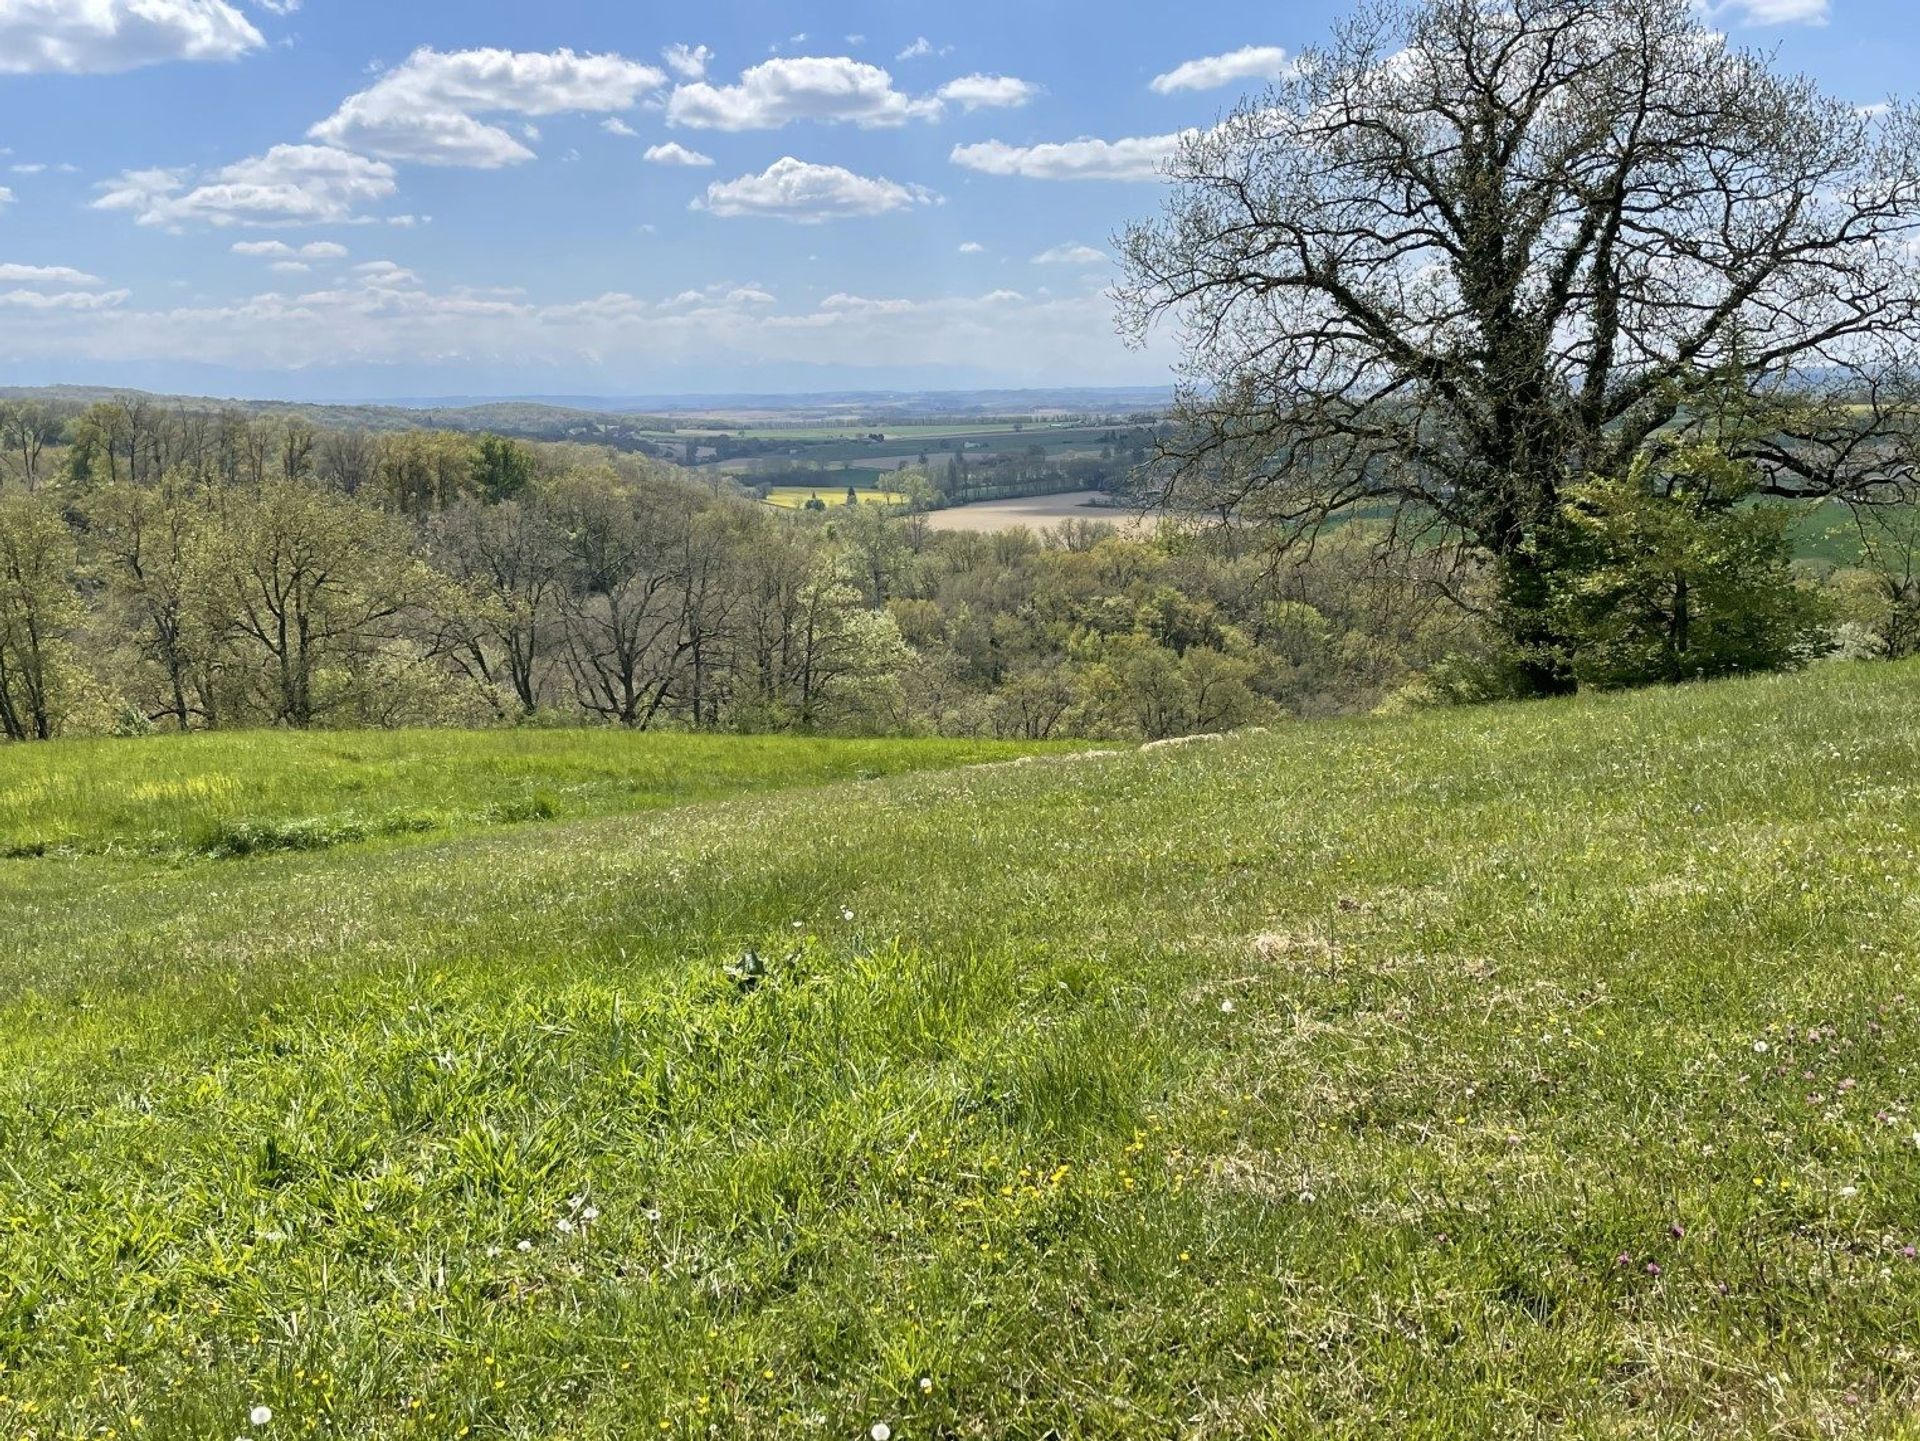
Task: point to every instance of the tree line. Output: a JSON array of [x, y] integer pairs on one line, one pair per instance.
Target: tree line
[[180, 570], [171, 570]]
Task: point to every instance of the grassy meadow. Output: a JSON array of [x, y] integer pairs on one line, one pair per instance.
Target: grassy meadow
[[1545, 1069], [233, 794]]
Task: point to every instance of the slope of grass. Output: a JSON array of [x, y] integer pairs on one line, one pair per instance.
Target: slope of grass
[[1531, 1070], [244, 792]]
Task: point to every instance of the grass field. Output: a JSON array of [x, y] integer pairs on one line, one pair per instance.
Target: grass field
[[1518, 1071], [267, 790]]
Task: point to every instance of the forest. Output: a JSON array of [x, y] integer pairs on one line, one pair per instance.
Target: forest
[[169, 568]]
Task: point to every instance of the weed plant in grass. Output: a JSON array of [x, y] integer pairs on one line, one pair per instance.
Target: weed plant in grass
[[1483, 1073]]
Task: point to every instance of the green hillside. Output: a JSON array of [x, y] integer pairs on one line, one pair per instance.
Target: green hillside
[[1543, 1069]]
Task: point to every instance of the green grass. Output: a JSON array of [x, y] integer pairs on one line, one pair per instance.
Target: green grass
[[1520, 1071], [254, 791]]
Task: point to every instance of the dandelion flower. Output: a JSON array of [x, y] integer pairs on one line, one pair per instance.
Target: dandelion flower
[[881, 1431], [260, 1415], [1227, 1006], [847, 915], [1760, 1048], [523, 1246], [926, 1384]]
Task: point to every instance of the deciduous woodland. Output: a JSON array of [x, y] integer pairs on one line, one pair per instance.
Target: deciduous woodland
[[177, 569]]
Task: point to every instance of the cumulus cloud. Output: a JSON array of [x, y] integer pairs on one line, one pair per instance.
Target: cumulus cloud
[[614, 125], [385, 273], [797, 190], [77, 37], [920, 47], [288, 185], [612, 340], [688, 62], [1071, 254], [1251, 62], [674, 153], [6, 197], [776, 92], [972, 247], [987, 92], [64, 299], [280, 250], [427, 109], [1139, 158], [13, 274]]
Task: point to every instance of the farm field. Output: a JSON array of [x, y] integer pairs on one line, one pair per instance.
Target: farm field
[[795, 497], [1036, 512], [1529, 1069]]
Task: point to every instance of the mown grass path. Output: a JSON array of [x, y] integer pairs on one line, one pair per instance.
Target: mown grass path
[[1484, 1073]]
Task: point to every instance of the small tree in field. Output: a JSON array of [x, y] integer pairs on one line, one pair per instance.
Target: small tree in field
[[1474, 252]]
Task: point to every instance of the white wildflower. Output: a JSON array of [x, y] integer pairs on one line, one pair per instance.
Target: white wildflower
[[260, 1415]]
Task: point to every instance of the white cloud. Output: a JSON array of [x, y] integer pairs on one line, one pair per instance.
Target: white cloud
[[775, 92], [920, 47], [280, 250], [982, 92], [1071, 254], [427, 108], [290, 267], [791, 189], [612, 341], [64, 300], [385, 273], [688, 62], [674, 153], [1771, 12], [1139, 158], [13, 274], [100, 36], [278, 7], [614, 125], [6, 196], [972, 247], [289, 185], [1251, 62]]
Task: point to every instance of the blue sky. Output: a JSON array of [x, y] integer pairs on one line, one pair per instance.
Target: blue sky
[[342, 199]]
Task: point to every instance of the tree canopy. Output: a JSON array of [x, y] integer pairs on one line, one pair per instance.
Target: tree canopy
[[1473, 252]]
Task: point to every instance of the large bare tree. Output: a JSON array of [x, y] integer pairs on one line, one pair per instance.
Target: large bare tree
[[1474, 250]]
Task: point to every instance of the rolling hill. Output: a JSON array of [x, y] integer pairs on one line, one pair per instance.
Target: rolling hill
[[1481, 1072]]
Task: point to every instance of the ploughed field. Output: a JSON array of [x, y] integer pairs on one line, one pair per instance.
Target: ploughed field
[[1485, 1072]]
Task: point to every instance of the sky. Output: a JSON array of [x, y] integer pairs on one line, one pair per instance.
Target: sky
[[343, 199]]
